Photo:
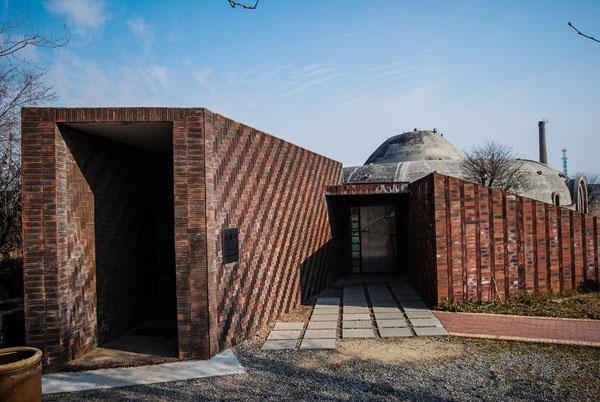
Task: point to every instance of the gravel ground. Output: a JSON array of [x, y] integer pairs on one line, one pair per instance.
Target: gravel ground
[[421, 369]]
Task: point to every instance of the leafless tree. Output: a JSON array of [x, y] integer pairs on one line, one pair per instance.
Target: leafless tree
[[21, 84], [494, 165]]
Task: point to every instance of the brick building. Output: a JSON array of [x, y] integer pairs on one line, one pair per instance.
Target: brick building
[[214, 228]]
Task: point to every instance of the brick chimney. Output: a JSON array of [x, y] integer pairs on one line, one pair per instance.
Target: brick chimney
[[543, 153]]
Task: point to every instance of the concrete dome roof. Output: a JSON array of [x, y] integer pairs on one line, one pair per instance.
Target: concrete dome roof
[[542, 180], [414, 146]]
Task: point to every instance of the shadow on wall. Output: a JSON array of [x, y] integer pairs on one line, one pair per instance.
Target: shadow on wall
[[121, 225], [317, 271]]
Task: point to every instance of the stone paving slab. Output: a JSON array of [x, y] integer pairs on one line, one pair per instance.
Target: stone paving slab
[[413, 304], [354, 297], [385, 304], [321, 311], [318, 344], [425, 322], [386, 301], [357, 324], [379, 294], [355, 317], [327, 304], [286, 326], [279, 335], [413, 297], [379, 309], [430, 331], [320, 334], [361, 303], [391, 323], [326, 307], [419, 314], [395, 332], [322, 325], [389, 316], [355, 310], [322, 300], [279, 345], [357, 304], [357, 333], [324, 317]]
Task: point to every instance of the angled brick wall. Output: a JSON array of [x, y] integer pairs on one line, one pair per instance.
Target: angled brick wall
[[274, 192], [491, 243], [225, 174]]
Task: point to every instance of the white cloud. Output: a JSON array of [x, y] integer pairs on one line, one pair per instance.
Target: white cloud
[[158, 74], [319, 71], [308, 68], [86, 82], [140, 28], [304, 86], [201, 75], [83, 14]]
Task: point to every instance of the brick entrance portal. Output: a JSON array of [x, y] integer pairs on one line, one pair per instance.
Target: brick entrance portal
[[124, 211]]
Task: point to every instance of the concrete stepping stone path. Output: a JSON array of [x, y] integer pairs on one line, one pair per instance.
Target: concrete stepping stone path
[[321, 332], [315, 344], [421, 318], [394, 311], [284, 336], [356, 318], [388, 317]]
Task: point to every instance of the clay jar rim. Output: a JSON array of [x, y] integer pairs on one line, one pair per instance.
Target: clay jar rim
[[23, 363]]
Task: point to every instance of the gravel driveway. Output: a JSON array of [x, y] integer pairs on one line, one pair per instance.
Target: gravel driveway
[[429, 369]]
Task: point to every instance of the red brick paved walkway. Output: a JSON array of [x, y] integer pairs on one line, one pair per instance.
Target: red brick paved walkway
[[531, 329]]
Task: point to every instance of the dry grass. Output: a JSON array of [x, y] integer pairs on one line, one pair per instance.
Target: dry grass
[[580, 303]]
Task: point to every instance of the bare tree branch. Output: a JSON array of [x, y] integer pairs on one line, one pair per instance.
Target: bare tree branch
[[582, 34], [494, 165], [235, 3], [21, 84]]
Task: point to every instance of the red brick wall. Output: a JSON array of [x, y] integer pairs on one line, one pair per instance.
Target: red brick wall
[[107, 187], [274, 192], [40, 266], [524, 244], [53, 279], [421, 271], [76, 252]]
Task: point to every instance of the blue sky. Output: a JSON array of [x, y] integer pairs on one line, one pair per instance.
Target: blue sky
[[340, 76]]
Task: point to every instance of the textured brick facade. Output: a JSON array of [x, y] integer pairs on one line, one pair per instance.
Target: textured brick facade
[[224, 175], [274, 192], [423, 238], [490, 243]]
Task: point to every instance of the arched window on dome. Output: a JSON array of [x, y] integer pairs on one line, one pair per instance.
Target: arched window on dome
[[556, 198]]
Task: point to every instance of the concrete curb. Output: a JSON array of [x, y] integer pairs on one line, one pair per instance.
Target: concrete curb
[[222, 364], [524, 339]]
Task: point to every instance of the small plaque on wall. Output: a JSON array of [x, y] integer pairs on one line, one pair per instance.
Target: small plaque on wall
[[230, 245]]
